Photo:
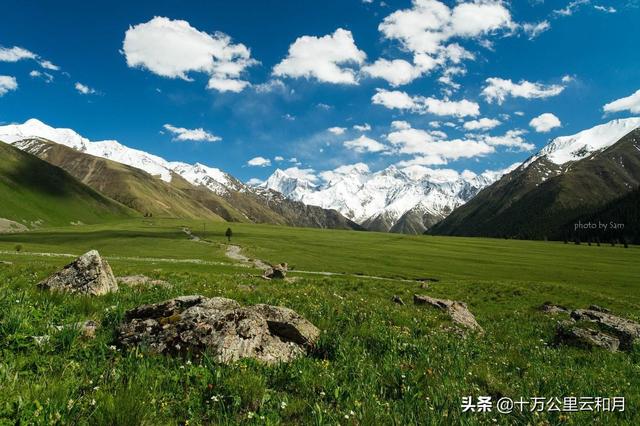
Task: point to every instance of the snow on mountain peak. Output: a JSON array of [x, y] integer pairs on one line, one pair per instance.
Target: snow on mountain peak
[[564, 149], [197, 174]]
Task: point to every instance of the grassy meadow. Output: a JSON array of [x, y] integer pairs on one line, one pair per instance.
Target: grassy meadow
[[377, 362]]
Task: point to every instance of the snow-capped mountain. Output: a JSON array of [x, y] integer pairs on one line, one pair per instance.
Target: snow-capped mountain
[[197, 174], [565, 149], [379, 199]]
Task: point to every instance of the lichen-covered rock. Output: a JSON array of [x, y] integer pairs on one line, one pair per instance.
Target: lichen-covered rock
[[625, 330], [550, 308], [141, 281], [585, 337], [88, 275], [221, 327], [276, 272], [458, 311]]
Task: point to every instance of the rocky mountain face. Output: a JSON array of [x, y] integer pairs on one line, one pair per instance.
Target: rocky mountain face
[[547, 195], [407, 200], [152, 185]]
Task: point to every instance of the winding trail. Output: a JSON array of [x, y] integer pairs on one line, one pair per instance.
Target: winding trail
[[235, 253]]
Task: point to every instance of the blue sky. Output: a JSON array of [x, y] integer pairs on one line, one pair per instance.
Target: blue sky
[[245, 74]]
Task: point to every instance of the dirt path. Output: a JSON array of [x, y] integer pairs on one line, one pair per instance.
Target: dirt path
[[235, 253]]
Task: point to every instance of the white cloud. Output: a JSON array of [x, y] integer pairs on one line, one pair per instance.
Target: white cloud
[[511, 139], [48, 78], [278, 158], [341, 171], [364, 144], [84, 89], [545, 122], [362, 127], [498, 89], [519, 113], [323, 58], [400, 125], [304, 174], [630, 103], [429, 24], [431, 150], [273, 85], [337, 130], [254, 182], [7, 84], [482, 124], [605, 9], [15, 54], [419, 104], [259, 162], [197, 135], [173, 49], [571, 8], [397, 72], [534, 30]]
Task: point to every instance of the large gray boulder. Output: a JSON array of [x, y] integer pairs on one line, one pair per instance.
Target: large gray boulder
[[585, 338], [458, 311], [625, 330], [221, 327], [88, 275]]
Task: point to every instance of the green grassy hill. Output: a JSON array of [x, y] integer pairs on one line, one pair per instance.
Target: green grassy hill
[[132, 187], [36, 193]]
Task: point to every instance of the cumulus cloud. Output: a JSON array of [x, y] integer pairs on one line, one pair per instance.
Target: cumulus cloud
[[278, 158], [337, 130], [304, 174], [498, 89], [422, 105], [400, 125], [7, 84], [15, 54], [512, 139], [325, 59], [630, 103], [482, 124], [545, 122], [364, 144], [84, 89], [396, 72], [362, 127], [254, 182], [197, 135], [431, 149], [259, 162], [429, 24], [173, 49]]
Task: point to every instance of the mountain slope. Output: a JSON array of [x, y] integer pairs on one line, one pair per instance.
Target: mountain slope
[[130, 186], [544, 196], [36, 193]]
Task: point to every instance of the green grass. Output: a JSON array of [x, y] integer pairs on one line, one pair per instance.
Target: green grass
[[376, 362], [35, 193]]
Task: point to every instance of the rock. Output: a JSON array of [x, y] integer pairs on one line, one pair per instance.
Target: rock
[[458, 311], [585, 338], [41, 340], [141, 280], [87, 328], [550, 308], [625, 330], [89, 275], [599, 309], [398, 300], [424, 286], [221, 327], [276, 272]]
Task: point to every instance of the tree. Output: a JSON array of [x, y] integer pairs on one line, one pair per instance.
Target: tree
[[228, 234]]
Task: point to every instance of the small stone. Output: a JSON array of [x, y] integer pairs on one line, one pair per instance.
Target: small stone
[[276, 272], [550, 308], [141, 280], [458, 311], [398, 300]]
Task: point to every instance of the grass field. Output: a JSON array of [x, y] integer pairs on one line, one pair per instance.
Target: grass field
[[376, 363]]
